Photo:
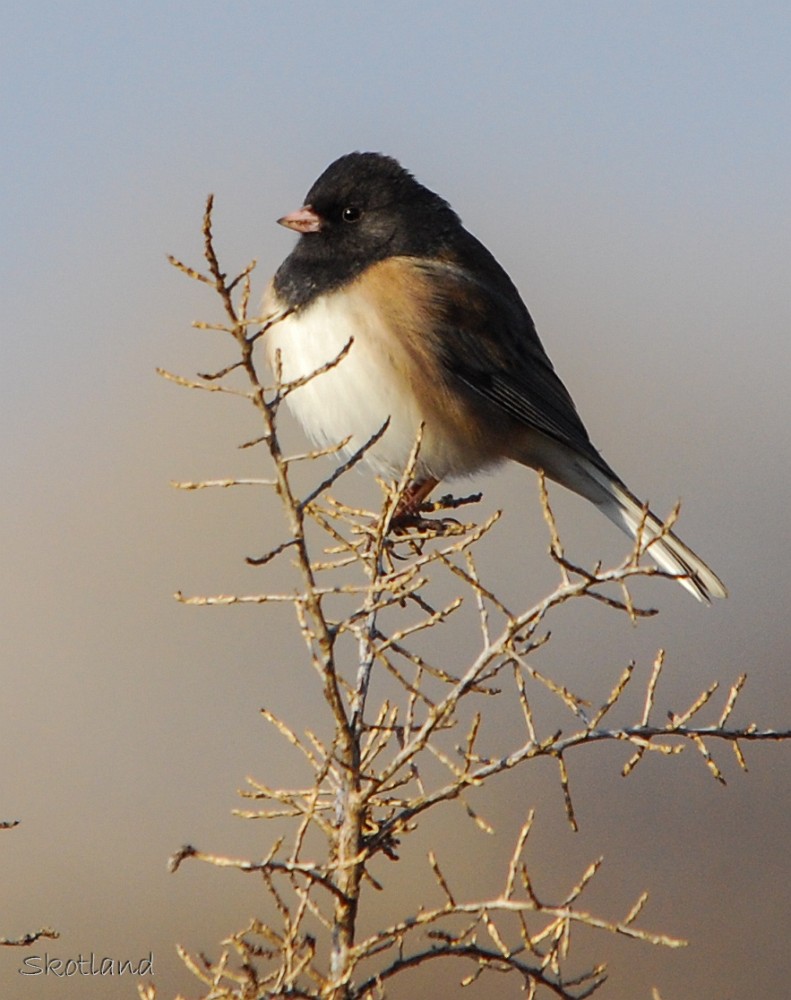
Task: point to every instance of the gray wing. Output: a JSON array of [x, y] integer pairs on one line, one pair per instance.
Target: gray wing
[[489, 342]]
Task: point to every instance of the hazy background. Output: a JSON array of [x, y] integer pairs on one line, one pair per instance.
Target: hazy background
[[629, 164]]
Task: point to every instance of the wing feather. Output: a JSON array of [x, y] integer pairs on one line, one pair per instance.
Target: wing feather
[[489, 342]]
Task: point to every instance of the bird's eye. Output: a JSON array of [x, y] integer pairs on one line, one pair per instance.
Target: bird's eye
[[351, 214]]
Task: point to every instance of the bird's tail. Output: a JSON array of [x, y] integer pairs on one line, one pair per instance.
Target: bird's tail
[[665, 548]]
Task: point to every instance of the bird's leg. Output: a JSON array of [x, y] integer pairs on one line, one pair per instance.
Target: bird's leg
[[407, 511]]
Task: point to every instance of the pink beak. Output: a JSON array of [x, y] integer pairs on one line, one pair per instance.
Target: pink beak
[[305, 220]]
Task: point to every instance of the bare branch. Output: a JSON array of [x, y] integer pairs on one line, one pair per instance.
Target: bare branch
[[383, 757]]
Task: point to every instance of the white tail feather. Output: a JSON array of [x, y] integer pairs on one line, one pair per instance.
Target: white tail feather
[[666, 549]]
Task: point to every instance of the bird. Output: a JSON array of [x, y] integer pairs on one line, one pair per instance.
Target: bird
[[430, 331]]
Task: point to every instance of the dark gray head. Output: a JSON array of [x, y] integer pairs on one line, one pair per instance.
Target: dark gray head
[[365, 207]]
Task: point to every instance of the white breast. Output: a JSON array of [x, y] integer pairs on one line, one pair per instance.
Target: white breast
[[356, 397]]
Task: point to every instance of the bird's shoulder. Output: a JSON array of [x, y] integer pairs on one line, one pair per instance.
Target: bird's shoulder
[[487, 339]]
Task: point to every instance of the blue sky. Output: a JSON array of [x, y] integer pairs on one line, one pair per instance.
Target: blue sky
[[117, 120]]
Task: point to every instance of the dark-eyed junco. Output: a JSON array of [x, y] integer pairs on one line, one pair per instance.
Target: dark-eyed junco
[[439, 336]]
